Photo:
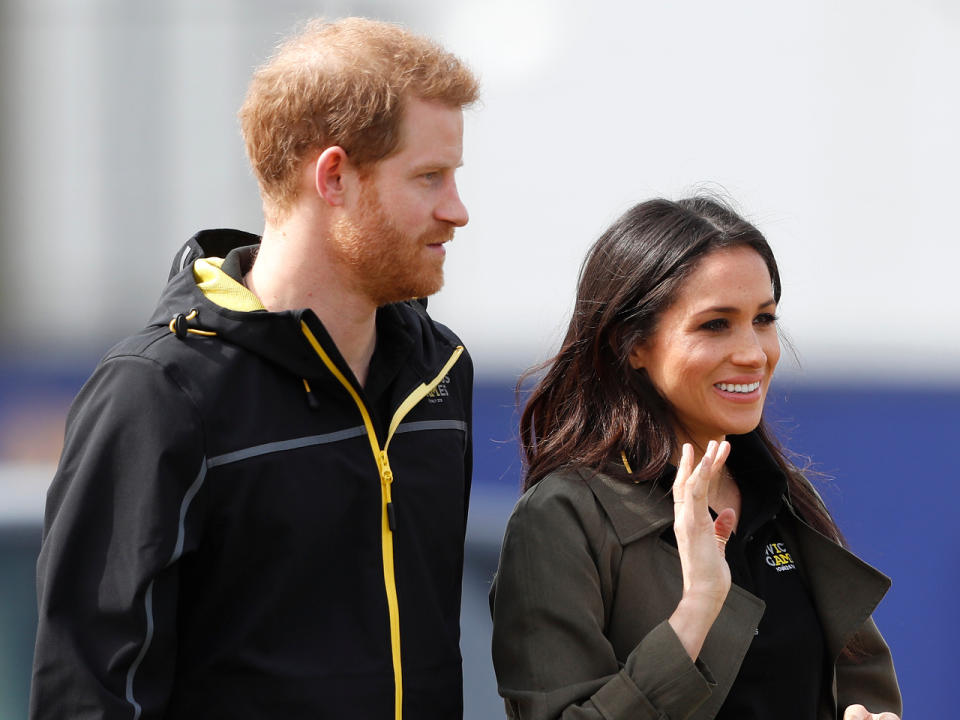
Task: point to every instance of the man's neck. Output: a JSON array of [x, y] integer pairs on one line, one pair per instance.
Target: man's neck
[[292, 271]]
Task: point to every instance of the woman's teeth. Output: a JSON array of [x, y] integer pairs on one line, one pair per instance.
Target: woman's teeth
[[730, 387]]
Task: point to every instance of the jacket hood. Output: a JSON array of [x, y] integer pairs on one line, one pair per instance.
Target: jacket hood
[[202, 301]]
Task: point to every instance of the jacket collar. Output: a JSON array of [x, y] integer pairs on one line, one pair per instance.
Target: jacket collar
[[412, 344], [845, 589], [635, 509]]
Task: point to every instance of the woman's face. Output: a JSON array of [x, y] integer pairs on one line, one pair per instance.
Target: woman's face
[[715, 348]]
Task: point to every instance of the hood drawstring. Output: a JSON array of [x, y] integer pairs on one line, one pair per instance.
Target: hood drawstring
[[178, 326], [312, 401]]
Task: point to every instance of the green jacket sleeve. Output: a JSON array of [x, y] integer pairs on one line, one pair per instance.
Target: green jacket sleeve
[[549, 603], [868, 678]]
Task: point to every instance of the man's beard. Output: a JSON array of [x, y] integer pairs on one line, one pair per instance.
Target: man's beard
[[386, 264]]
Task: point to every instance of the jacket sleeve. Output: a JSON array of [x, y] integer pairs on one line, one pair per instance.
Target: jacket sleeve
[[116, 523], [867, 677], [550, 653]]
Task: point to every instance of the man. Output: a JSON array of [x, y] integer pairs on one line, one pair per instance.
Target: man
[[260, 507]]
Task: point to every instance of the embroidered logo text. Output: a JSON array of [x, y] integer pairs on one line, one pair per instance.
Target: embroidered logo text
[[779, 558], [441, 391]]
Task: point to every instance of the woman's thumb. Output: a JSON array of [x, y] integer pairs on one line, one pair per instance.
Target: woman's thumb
[[723, 526]]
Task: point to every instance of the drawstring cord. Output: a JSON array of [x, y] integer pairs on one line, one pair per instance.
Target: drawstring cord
[[311, 397], [178, 326]]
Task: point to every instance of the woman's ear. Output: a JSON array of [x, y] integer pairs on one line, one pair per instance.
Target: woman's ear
[[637, 357]]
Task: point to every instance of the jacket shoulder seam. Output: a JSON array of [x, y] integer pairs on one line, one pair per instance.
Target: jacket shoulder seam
[[168, 371]]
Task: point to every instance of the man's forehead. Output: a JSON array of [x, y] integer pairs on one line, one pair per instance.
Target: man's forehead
[[432, 128]]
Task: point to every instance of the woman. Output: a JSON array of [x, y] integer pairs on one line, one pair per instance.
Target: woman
[[666, 560]]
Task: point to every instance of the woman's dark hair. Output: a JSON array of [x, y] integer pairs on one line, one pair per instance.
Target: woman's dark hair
[[591, 405]]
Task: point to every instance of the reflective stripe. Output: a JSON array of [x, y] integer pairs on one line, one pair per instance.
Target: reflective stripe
[[184, 506], [431, 425], [183, 258], [148, 638], [148, 596], [282, 445], [311, 440]]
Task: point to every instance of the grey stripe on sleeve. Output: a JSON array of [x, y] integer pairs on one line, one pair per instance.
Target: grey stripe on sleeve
[[148, 599], [148, 603]]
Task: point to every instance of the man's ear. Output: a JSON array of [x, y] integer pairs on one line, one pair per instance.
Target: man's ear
[[329, 169]]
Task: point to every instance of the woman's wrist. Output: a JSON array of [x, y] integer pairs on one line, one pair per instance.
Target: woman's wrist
[[692, 620]]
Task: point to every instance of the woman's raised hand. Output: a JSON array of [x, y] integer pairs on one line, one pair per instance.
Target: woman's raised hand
[[701, 542]]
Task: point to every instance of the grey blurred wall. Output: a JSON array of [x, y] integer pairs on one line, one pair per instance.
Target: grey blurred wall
[[833, 125]]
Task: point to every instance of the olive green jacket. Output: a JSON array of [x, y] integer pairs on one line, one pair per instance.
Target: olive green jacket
[[586, 584]]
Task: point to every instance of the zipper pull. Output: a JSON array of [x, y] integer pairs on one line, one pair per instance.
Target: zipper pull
[[386, 475]]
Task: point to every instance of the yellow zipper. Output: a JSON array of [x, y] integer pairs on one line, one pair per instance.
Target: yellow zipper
[[388, 517]]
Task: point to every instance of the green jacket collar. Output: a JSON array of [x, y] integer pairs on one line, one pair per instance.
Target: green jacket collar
[[845, 589]]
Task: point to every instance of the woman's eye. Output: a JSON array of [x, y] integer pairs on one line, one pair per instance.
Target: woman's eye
[[765, 319], [715, 325]]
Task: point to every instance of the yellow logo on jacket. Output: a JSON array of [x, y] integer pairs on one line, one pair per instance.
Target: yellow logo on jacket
[[779, 558]]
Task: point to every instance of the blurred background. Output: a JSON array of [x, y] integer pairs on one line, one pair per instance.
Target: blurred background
[[832, 125]]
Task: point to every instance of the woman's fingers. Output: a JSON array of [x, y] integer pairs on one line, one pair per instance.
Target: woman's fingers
[[693, 483], [699, 482], [710, 468], [723, 452], [859, 712], [684, 470], [856, 712]]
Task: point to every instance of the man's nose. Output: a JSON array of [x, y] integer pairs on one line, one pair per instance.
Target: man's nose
[[451, 209]]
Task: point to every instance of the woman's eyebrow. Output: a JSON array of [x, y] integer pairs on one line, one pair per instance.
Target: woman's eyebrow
[[728, 310]]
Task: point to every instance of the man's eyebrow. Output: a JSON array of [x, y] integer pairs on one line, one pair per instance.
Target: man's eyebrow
[[430, 165]]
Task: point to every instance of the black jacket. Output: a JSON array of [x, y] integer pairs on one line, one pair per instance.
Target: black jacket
[[237, 529]]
